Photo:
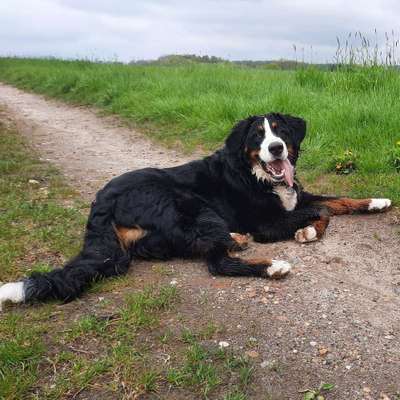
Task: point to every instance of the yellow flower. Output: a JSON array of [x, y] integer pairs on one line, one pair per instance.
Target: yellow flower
[[398, 143]]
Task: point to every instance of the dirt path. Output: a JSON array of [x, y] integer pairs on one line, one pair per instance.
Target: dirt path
[[88, 149], [335, 319]]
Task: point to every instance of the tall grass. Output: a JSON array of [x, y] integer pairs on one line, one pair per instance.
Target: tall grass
[[195, 105], [358, 49]]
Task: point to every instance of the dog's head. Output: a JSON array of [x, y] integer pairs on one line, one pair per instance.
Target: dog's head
[[269, 144]]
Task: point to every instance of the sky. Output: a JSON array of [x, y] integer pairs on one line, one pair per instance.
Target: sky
[[125, 30]]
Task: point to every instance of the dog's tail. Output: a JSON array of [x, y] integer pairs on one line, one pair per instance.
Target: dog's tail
[[102, 256]]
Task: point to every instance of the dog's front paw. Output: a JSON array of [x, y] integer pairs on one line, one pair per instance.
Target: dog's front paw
[[278, 269], [377, 205], [305, 235]]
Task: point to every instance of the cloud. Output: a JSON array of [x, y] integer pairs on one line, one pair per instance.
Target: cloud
[[235, 29]]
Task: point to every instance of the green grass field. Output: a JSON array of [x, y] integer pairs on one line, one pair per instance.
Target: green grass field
[[195, 105]]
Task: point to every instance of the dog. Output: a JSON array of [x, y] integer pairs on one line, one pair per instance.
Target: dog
[[205, 208]]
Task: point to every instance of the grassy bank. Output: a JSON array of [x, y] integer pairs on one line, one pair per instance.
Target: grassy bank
[[99, 347], [196, 105]]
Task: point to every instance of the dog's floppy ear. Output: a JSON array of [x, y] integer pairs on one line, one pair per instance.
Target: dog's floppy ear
[[238, 134], [297, 127]]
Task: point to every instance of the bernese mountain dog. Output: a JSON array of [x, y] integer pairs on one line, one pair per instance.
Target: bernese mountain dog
[[206, 208]]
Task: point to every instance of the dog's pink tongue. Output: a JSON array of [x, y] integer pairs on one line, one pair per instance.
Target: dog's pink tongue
[[289, 170]]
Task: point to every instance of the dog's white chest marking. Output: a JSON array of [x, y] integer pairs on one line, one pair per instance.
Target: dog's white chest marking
[[288, 197]]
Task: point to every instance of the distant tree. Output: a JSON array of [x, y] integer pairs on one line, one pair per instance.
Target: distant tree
[[182, 59]]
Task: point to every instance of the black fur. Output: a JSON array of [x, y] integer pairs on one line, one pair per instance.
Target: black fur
[[186, 211]]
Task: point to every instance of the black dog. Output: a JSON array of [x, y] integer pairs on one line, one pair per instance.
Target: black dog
[[248, 186]]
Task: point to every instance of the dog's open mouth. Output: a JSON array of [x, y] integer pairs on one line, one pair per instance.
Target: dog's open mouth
[[279, 170]]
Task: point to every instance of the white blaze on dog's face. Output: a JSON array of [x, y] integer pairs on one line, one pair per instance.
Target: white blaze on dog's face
[[272, 141]]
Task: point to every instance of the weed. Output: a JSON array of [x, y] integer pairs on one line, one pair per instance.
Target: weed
[[87, 324], [275, 366], [317, 394], [176, 376], [188, 336], [198, 374], [148, 381], [344, 163], [235, 395], [141, 307], [165, 336], [209, 330], [395, 156]]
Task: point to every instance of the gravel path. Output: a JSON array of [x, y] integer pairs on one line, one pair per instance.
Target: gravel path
[[335, 319]]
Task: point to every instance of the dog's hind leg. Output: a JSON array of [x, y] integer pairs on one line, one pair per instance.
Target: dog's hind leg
[[345, 205]]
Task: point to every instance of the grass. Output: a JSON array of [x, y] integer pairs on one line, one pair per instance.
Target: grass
[[42, 221], [206, 368], [37, 229], [109, 348], [20, 353], [352, 109]]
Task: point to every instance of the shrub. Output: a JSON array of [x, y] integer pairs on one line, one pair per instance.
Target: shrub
[[344, 163]]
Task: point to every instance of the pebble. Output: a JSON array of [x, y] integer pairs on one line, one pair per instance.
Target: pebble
[[323, 351], [313, 344], [33, 182], [174, 282], [252, 354], [222, 344]]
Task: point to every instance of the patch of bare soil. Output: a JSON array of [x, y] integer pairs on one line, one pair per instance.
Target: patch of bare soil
[[335, 319]]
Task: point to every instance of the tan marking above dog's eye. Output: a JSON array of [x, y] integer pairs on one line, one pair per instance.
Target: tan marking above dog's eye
[[274, 125], [260, 128]]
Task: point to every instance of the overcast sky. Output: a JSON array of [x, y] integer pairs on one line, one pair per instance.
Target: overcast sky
[[233, 29]]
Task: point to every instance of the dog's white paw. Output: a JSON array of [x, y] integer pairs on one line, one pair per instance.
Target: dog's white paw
[[13, 291], [278, 269], [379, 204], [305, 235]]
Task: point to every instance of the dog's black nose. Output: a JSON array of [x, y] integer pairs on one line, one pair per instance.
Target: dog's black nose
[[275, 148]]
